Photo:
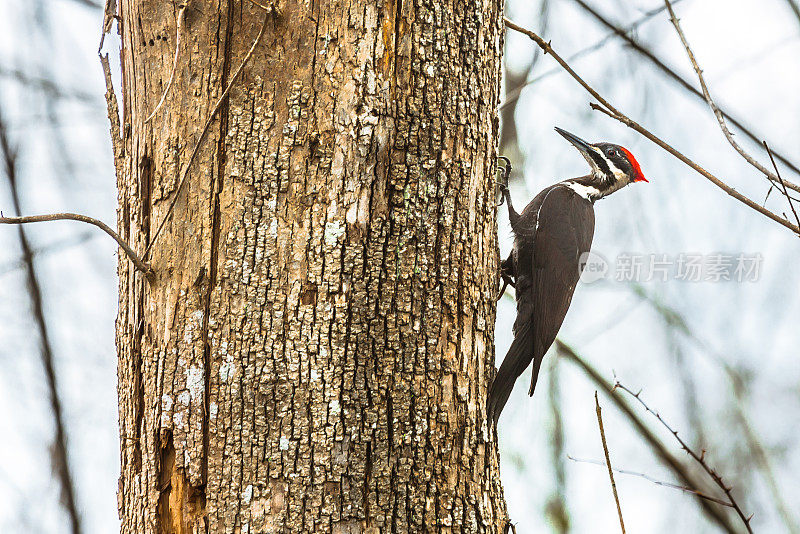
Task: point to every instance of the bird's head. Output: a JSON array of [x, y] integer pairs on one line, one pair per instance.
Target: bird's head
[[613, 166]]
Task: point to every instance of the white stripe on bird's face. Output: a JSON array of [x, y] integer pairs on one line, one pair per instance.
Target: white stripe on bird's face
[[610, 184], [619, 174]]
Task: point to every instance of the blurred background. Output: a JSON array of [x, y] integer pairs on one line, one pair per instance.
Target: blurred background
[[715, 354]]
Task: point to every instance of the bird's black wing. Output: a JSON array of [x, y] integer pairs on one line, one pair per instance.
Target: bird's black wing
[[545, 283]]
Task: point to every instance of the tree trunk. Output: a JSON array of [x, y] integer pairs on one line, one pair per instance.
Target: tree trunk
[[313, 352]]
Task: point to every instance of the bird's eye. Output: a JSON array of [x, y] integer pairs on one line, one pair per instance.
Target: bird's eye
[[614, 152]]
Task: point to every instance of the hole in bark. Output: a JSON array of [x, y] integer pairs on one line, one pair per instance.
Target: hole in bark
[[354, 232], [138, 386], [145, 194], [181, 507], [308, 295]]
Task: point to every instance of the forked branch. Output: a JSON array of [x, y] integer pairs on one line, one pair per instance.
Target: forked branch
[[699, 458], [685, 475], [713, 105], [670, 73], [607, 108]]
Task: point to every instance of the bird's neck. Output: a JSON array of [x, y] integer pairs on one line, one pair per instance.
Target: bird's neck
[[592, 187]]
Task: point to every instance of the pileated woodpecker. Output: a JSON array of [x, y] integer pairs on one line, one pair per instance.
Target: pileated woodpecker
[[550, 235]]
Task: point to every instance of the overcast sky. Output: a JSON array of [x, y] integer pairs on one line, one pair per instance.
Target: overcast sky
[[749, 52]]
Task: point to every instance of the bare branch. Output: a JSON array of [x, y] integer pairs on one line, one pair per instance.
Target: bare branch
[[45, 250], [137, 261], [783, 184], [608, 461], [657, 447], [614, 113], [556, 508], [713, 105], [89, 3], [269, 13], [646, 53], [60, 456], [53, 89], [699, 458], [654, 480], [514, 94], [674, 319]]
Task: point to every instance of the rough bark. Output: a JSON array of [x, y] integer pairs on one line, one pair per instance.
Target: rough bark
[[313, 352]]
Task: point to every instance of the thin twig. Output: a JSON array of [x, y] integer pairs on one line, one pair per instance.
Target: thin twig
[[48, 249], [269, 13], [137, 261], [713, 105], [654, 480], [675, 320], [60, 456], [181, 17], [614, 113], [658, 448], [783, 184], [648, 54], [608, 461], [699, 458], [514, 94]]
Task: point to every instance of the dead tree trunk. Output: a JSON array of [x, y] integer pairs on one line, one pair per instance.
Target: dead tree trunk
[[313, 352]]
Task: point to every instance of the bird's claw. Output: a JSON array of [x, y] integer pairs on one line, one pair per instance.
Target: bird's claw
[[504, 182], [506, 160], [503, 187], [507, 281], [502, 290], [506, 169]]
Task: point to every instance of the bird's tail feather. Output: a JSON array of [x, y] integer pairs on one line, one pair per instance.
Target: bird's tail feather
[[537, 363], [518, 358]]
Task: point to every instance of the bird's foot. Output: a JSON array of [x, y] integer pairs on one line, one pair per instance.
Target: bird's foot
[[507, 275], [505, 168], [503, 182], [503, 189], [507, 281], [502, 289]]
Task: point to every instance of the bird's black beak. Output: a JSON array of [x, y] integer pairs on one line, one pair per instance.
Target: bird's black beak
[[585, 148]]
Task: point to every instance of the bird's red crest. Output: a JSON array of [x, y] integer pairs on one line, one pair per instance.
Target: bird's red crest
[[637, 170]]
